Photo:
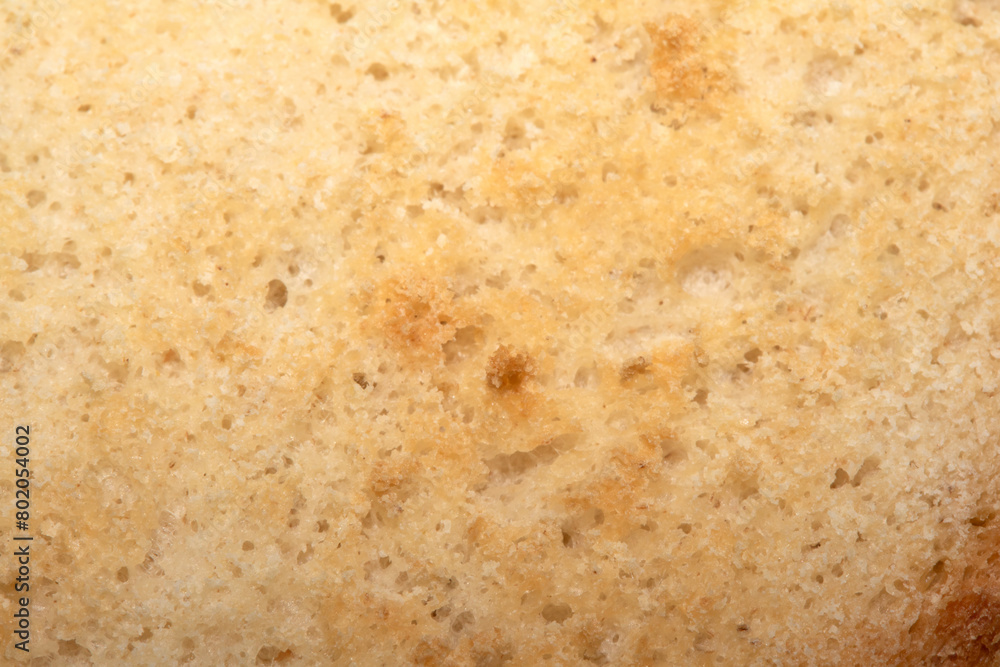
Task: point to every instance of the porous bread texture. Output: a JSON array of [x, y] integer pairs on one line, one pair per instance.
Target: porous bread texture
[[502, 334]]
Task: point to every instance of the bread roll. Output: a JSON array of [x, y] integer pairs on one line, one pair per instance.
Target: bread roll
[[503, 334]]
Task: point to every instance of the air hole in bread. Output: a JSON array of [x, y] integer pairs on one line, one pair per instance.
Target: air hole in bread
[[673, 451], [587, 376], [566, 194], [708, 273], [708, 447], [934, 577], [463, 620], [869, 466], [10, 353], [171, 359], [514, 135], [499, 281], [982, 517], [378, 71], [463, 345], [269, 655], [557, 613], [35, 197], [277, 295], [340, 14], [70, 649]]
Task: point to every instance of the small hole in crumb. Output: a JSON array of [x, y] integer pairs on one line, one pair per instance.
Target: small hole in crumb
[[378, 72], [277, 295], [268, 655], [35, 197], [557, 613]]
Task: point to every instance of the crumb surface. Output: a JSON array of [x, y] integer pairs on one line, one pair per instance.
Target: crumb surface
[[503, 334]]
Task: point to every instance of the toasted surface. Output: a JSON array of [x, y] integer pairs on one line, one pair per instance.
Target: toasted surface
[[515, 333]]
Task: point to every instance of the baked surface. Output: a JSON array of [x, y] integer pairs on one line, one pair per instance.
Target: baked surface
[[506, 333]]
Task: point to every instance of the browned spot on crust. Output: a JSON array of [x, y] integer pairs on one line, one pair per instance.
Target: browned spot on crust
[[236, 352], [415, 315], [389, 479], [991, 206], [968, 632], [590, 639], [490, 648], [507, 370], [430, 652], [960, 630], [682, 69], [634, 367]]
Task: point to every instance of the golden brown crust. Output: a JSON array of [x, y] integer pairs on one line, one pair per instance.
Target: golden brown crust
[[682, 68], [508, 370]]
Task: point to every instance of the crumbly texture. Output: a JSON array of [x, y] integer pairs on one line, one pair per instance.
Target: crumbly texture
[[504, 333]]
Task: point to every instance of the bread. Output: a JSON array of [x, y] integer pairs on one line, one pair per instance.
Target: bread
[[503, 334]]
